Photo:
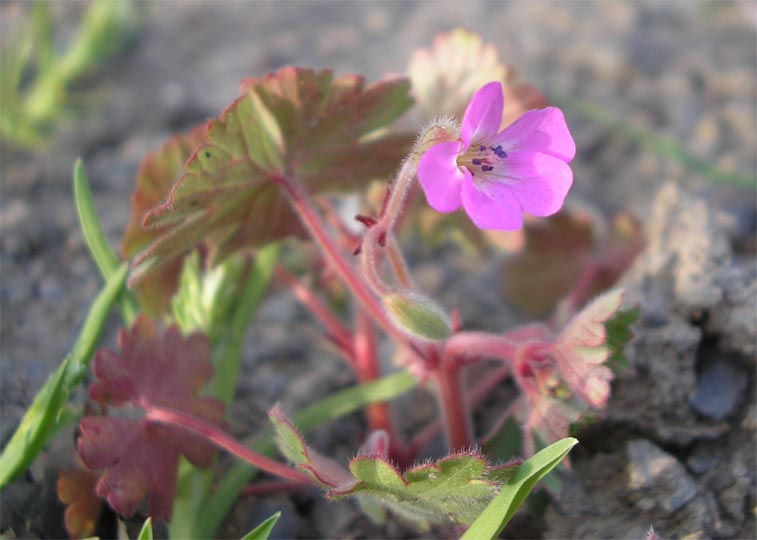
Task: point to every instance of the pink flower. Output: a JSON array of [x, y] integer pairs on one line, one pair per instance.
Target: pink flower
[[496, 176]]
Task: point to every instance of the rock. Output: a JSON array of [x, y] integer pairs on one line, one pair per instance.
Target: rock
[[658, 477], [720, 390]]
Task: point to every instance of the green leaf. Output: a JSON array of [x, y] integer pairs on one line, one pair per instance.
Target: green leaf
[[305, 125], [44, 416], [263, 531], [493, 519], [328, 409], [105, 258], [145, 533], [619, 333], [454, 488], [506, 442]]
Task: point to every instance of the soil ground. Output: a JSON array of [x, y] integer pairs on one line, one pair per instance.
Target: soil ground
[[677, 447]]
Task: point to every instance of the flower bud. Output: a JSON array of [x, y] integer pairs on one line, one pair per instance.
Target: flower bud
[[442, 130], [418, 315]]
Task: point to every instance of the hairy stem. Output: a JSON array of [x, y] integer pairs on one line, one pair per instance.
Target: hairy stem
[[454, 405], [319, 233], [220, 439], [467, 347]]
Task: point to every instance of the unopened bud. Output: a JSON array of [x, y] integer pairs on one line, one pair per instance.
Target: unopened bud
[[417, 315], [442, 130]]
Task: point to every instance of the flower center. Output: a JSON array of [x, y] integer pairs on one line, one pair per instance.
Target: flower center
[[481, 160]]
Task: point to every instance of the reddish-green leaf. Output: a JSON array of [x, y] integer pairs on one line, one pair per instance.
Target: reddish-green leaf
[[140, 457], [298, 124], [572, 253], [446, 76], [158, 172]]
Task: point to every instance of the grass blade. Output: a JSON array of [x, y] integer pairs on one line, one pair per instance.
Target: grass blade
[[493, 519], [45, 415], [263, 531], [105, 258], [145, 533]]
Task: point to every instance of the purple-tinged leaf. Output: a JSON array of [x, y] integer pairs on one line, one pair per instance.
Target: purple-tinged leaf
[[140, 457]]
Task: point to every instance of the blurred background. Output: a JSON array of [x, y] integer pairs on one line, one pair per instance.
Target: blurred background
[[654, 92]]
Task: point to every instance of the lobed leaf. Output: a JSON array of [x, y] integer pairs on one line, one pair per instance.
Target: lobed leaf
[[140, 457], [446, 76], [454, 488], [299, 124], [158, 172], [570, 253], [581, 349]]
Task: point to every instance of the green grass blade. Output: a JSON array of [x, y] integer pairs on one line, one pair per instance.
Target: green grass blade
[[331, 408], [227, 367], [662, 146], [498, 513], [105, 258], [45, 415], [263, 531], [145, 533]]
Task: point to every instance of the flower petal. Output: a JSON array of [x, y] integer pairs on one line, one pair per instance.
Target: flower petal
[[440, 176], [539, 130], [491, 205], [483, 115], [539, 181]]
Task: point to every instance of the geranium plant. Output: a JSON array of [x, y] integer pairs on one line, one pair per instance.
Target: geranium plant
[[212, 212]]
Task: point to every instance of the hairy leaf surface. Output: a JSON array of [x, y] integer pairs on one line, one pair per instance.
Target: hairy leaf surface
[[456, 488]]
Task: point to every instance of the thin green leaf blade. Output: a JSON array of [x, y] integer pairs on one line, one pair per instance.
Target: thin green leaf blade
[[493, 519], [103, 255], [45, 415], [263, 531], [145, 533]]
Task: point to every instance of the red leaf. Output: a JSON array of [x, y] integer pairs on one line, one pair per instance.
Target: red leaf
[[140, 457], [76, 489]]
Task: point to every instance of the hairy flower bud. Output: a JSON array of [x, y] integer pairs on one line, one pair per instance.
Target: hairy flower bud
[[418, 315]]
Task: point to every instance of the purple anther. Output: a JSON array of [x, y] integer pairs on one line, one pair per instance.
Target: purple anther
[[487, 168], [481, 148], [476, 162]]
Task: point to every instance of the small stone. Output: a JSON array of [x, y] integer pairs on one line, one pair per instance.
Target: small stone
[[719, 391], [661, 481]]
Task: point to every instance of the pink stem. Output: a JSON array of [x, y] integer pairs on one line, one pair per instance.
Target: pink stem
[[454, 405], [467, 347], [223, 441], [318, 231], [336, 330]]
